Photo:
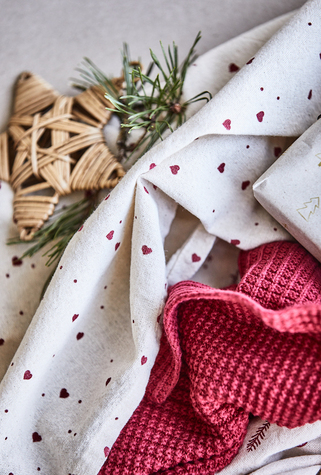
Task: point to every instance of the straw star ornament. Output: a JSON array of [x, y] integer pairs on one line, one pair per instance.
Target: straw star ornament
[[54, 145]]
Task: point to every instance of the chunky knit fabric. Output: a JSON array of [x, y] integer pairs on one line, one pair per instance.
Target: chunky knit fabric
[[224, 354], [278, 275]]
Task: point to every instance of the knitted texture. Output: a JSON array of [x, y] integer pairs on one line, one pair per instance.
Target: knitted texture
[[224, 354], [280, 275], [170, 438]]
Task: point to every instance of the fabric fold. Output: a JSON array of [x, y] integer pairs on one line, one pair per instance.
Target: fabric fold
[[225, 355], [95, 336]]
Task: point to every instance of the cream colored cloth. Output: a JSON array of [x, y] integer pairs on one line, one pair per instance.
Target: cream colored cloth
[[296, 202], [84, 361]]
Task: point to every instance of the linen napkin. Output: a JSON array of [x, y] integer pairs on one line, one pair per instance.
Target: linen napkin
[[83, 364]]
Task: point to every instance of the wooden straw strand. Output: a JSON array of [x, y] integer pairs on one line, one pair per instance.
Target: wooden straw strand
[[4, 157], [59, 146]]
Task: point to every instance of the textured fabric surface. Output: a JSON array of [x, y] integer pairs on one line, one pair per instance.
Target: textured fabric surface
[[79, 366], [226, 354], [171, 438], [278, 276]]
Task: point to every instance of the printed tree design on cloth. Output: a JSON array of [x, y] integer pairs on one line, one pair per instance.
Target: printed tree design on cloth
[[309, 208], [259, 435]]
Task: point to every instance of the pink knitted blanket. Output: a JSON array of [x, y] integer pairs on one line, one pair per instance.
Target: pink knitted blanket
[[226, 354]]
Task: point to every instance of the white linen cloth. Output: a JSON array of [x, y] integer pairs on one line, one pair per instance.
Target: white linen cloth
[[84, 361]]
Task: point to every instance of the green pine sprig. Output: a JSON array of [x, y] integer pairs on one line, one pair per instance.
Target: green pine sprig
[[151, 105], [58, 231]]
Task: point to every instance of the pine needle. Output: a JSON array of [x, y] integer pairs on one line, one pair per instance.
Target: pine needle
[[151, 105], [155, 109], [59, 230]]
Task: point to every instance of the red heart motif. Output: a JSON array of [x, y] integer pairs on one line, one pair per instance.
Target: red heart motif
[[233, 68], [27, 375], [64, 393], [221, 167], [79, 335], [143, 360], [245, 184], [235, 242], [152, 165], [302, 445], [36, 437], [277, 151], [227, 124], [146, 190], [117, 245], [106, 451], [16, 261], [195, 258], [107, 197], [110, 235], [260, 116], [75, 317], [81, 227], [174, 169], [146, 250]]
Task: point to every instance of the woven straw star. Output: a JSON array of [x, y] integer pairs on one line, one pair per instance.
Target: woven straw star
[[54, 145]]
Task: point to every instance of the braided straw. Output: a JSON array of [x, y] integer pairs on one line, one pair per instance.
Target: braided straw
[[58, 147]]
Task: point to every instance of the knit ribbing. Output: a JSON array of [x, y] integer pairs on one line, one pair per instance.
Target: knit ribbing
[[234, 357], [279, 275], [170, 438], [224, 354]]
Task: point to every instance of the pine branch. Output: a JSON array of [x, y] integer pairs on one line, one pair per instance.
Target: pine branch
[[152, 106], [60, 229], [255, 441]]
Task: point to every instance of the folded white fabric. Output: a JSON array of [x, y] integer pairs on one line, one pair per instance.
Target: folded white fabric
[[277, 450], [84, 362], [289, 189]]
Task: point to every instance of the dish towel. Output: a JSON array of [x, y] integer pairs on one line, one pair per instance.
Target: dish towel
[[76, 370], [225, 354]]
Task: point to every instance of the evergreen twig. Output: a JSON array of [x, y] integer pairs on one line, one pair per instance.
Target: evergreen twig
[[60, 229], [152, 106]]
